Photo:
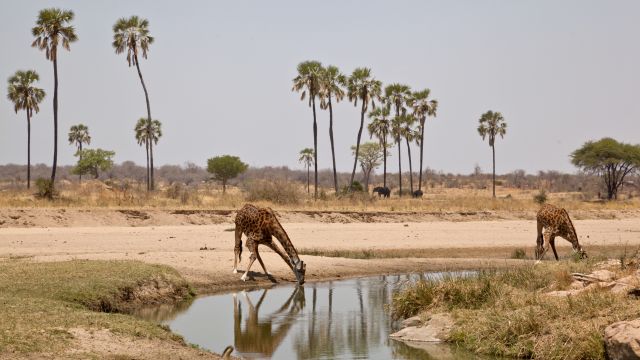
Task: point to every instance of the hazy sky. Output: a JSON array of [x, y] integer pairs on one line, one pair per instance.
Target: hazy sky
[[219, 77]]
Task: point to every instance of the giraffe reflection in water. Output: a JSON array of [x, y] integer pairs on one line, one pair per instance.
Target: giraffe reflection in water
[[264, 335]]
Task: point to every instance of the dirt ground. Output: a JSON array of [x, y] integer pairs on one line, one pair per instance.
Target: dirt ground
[[204, 253], [199, 244]]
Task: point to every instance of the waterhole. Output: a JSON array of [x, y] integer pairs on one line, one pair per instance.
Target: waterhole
[[346, 319]]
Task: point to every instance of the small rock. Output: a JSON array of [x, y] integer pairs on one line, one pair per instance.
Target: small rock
[[603, 275], [436, 329], [622, 340], [412, 321]]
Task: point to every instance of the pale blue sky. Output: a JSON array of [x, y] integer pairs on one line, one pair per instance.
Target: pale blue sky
[[219, 77]]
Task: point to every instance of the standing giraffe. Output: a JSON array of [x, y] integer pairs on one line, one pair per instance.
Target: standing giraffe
[[260, 224], [556, 222]]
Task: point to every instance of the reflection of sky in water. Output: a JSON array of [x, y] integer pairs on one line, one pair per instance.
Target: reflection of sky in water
[[328, 320]]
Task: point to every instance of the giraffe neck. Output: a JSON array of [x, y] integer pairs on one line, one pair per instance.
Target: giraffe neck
[[284, 239]]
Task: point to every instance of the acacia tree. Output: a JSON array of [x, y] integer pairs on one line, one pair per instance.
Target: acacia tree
[[362, 86], [370, 155], [306, 157], [309, 82], [422, 107], [492, 124], [332, 83], [380, 127], [53, 29], [26, 97], [132, 35], [225, 167], [397, 95], [91, 161], [78, 135], [148, 133], [609, 159]]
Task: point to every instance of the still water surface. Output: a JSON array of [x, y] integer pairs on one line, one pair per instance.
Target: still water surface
[[344, 319]]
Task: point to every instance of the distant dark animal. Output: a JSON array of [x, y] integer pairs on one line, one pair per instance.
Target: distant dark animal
[[382, 191], [417, 194]]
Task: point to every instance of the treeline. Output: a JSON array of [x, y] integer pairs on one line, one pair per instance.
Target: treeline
[[190, 174]]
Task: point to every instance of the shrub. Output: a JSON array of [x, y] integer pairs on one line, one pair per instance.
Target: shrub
[[277, 191], [356, 186], [519, 254], [540, 197], [45, 188]]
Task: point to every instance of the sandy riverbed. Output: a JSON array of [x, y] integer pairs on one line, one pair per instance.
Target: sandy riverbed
[[179, 246]]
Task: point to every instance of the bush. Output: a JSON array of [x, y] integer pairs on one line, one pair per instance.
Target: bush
[[540, 197], [45, 188], [356, 186], [278, 191], [519, 254]]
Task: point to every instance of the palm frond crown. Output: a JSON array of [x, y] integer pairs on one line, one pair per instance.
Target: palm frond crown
[[132, 35], [53, 29], [22, 93]]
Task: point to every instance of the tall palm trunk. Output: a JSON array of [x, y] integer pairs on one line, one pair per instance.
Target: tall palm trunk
[[55, 117], [384, 155], [421, 152], [315, 148], [493, 149], [333, 152], [410, 168], [150, 182], [28, 149], [308, 177], [80, 150], [355, 161], [399, 141], [146, 146]]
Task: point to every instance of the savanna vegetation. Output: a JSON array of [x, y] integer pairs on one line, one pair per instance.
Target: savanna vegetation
[[43, 303], [508, 313]]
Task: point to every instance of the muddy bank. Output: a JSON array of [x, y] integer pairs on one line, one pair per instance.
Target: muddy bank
[[97, 217]]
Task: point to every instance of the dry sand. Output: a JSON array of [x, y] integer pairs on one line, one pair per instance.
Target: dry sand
[[210, 270]]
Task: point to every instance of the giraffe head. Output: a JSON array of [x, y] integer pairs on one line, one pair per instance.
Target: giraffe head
[[299, 268], [581, 253]]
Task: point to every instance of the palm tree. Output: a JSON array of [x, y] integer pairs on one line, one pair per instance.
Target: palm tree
[[309, 81], [380, 127], [78, 135], [148, 132], [362, 86], [397, 127], [132, 35], [410, 134], [492, 124], [25, 97], [397, 95], [422, 107], [331, 84], [53, 29], [306, 157]]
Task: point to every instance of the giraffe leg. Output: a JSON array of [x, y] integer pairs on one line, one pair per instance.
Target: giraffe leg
[[237, 250], [539, 242], [253, 246], [284, 256], [546, 237], [262, 263], [552, 241]]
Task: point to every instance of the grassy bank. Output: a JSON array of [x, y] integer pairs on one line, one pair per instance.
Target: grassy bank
[[506, 313], [41, 302], [495, 252]]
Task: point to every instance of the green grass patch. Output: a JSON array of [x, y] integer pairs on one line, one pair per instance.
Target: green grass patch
[[40, 302], [506, 313]]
